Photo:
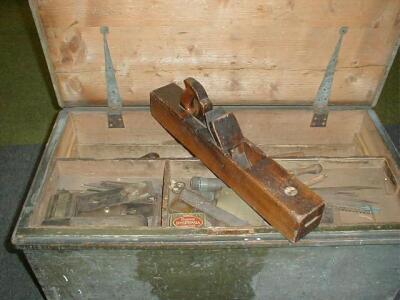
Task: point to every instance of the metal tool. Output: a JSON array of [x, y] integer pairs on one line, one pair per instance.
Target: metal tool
[[360, 206], [117, 193], [197, 201], [229, 201], [328, 216], [178, 206], [345, 198], [204, 184], [61, 207], [105, 199]]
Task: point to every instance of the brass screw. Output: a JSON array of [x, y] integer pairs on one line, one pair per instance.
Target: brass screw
[[290, 191]]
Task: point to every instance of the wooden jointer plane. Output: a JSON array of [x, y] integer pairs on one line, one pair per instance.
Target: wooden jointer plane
[[214, 136]]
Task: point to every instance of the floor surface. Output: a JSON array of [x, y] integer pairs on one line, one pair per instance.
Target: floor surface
[[16, 170]]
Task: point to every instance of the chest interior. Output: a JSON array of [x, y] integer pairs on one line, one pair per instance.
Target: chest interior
[[251, 56], [358, 180]]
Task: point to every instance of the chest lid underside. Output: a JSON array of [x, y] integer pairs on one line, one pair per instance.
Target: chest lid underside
[[244, 52]]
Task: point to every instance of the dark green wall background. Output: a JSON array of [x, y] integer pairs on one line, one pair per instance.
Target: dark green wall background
[[388, 107], [27, 101]]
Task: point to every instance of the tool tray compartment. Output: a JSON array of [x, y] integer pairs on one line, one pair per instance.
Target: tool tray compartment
[[357, 175]]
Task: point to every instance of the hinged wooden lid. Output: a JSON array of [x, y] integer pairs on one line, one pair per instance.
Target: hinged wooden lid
[[244, 52]]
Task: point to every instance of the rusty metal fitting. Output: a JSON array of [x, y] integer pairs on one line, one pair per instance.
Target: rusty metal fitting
[[204, 184]]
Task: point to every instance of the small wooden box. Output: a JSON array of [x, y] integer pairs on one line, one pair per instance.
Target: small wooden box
[[264, 60]]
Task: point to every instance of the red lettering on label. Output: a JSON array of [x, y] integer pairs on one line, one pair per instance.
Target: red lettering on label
[[188, 221]]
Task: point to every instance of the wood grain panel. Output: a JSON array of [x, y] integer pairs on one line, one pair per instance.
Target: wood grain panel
[[263, 127], [252, 52], [236, 86]]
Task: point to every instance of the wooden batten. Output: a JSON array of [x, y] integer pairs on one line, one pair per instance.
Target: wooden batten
[[243, 52]]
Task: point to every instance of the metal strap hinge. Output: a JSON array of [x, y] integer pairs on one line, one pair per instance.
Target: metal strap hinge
[[321, 101], [114, 99]]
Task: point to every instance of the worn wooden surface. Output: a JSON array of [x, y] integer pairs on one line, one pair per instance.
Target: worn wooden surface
[[244, 52], [359, 272], [285, 132]]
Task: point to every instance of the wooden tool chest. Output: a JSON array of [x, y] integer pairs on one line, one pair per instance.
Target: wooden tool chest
[[102, 220]]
